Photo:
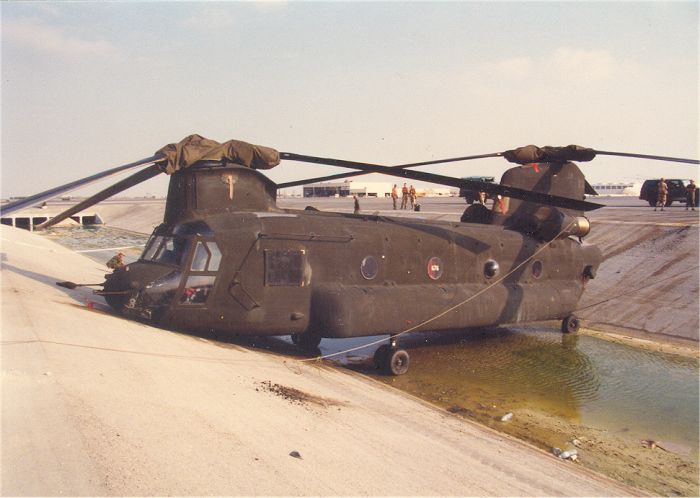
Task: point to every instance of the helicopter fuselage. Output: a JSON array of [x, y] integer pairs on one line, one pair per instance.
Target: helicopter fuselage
[[341, 275]]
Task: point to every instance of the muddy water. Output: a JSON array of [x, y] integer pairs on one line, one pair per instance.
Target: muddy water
[[99, 242], [586, 380], [566, 391]]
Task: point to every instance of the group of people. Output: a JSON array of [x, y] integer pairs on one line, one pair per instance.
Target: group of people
[[408, 195], [662, 195]]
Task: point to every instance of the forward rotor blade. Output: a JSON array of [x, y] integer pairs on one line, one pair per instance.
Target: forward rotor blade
[[320, 179], [646, 156], [491, 188], [130, 181], [287, 155], [53, 192]]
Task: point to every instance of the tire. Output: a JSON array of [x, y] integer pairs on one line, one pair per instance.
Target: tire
[[380, 356], [114, 283], [307, 342], [570, 324], [398, 362]]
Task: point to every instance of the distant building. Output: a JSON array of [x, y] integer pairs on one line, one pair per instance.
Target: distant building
[[347, 188], [617, 188]]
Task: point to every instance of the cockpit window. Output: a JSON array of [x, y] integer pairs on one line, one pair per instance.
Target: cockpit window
[[215, 256], [206, 257], [167, 250], [197, 289], [151, 247], [201, 255]]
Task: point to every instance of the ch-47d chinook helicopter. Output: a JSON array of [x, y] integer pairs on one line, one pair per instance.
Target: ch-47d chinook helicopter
[[227, 258]]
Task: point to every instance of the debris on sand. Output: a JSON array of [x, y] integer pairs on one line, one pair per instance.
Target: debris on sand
[[569, 455], [298, 397], [507, 417], [648, 443], [565, 455], [295, 454]]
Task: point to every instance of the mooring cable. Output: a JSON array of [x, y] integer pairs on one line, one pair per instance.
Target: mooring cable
[[446, 311]]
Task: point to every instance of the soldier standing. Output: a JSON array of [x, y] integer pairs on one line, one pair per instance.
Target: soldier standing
[[394, 195], [690, 195], [117, 261], [357, 205], [661, 195], [412, 196], [404, 196]]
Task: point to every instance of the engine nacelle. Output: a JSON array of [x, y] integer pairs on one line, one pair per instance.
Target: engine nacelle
[[559, 225]]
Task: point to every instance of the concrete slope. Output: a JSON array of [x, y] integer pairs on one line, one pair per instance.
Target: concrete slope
[[122, 215], [93, 404], [649, 280]]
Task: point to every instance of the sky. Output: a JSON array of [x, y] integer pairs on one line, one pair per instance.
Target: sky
[[89, 86]]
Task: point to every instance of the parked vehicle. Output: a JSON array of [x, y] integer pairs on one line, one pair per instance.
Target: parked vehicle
[[676, 192], [472, 196]]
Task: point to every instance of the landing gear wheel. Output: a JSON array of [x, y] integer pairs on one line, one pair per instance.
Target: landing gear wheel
[[381, 355], [398, 362], [114, 284], [307, 342], [570, 324], [391, 361]]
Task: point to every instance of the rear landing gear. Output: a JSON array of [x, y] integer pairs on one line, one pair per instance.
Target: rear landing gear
[[307, 342], [570, 324], [392, 360]]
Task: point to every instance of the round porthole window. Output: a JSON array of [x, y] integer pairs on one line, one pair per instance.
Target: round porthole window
[[369, 267], [491, 268], [434, 268], [537, 269]]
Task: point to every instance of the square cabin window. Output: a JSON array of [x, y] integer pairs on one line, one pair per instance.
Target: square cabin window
[[284, 267]]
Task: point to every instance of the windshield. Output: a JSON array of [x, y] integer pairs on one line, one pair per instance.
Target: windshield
[[166, 250]]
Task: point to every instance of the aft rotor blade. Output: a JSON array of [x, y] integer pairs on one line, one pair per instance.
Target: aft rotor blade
[[53, 192], [490, 188], [287, 155], [647, 156], [320, 179], [130, 181]]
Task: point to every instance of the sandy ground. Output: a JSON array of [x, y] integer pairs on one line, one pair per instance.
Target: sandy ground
[[96, 405]]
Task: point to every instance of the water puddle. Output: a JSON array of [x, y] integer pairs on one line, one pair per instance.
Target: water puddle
[[99, 242], [585, 380]]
